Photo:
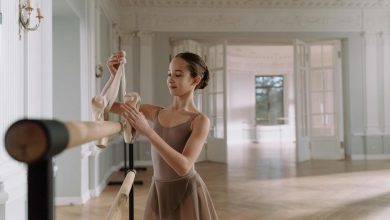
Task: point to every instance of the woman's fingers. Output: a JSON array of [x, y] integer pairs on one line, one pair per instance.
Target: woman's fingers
[[134, 112], [116, 58], [129, 118], [129, 111], [114, 62], [120, 53], [129, 107]]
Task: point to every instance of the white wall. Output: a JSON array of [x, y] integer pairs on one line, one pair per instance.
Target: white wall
[[244, 63], [103, 162], [66, 102], [82, 36], [27, 86], [25, 89]]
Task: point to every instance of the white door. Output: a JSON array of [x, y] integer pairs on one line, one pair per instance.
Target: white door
[[325, 98], [319, 122], [215, 103], [301, 71]]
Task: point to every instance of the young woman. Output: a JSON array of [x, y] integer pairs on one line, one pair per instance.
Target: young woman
[[177, 136]]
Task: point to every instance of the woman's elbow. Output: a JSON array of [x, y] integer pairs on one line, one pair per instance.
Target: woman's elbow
[[184, 170]]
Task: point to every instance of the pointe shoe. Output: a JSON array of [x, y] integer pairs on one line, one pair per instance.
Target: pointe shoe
[[98, 110], [102, 103], [128, 132], [98, 104]]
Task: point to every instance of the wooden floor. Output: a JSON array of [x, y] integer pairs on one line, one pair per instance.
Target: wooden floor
[[263, 181]]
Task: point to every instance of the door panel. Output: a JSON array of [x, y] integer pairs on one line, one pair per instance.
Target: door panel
[[319, 121], [326, 127], [301, 66], [216, 149]]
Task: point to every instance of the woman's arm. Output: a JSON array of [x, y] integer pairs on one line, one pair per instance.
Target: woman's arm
[[180, 162], [150, 111]]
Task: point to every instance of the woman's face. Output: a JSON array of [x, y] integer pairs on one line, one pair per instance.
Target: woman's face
[[179, 79]]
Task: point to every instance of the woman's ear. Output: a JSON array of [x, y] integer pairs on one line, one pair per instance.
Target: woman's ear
[[197, 80]]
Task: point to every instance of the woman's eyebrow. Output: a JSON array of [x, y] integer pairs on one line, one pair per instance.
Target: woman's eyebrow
[[181, 71]]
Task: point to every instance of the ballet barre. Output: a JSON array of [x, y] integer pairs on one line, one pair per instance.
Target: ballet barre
[[35, 142], [122, 198]]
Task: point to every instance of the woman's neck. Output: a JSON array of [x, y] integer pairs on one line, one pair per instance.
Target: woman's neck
[[186, 104]]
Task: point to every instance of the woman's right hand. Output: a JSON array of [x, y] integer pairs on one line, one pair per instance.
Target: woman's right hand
[[114, 61]]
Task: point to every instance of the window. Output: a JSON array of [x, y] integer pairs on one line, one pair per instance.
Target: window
[[269, 100]]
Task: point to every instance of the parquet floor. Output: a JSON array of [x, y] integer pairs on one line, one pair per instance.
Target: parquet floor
[[263, 181]]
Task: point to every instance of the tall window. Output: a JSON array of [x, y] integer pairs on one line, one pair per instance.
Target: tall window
[[269, 100]]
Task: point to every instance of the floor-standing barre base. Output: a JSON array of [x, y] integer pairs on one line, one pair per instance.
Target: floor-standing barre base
[[40, 190]]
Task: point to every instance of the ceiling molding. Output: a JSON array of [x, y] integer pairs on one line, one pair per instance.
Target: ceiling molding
[[254, 3], [249, 20]]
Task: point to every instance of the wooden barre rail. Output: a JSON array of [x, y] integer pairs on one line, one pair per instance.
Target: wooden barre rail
[[31, 140], [121, 198], [36, 142]]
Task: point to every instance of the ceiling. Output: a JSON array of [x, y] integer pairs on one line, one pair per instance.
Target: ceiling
[[254, 3]]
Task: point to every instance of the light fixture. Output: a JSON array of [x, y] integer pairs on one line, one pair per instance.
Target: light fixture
[[24, 20], [99, 70]]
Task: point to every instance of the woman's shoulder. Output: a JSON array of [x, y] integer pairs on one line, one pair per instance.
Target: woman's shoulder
[[200, 120], [150, 111]]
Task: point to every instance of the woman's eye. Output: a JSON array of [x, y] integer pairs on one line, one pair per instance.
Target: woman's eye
[[178, 75]]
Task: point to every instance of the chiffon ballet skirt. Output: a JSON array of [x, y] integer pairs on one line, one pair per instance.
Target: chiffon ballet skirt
[[174, 197]]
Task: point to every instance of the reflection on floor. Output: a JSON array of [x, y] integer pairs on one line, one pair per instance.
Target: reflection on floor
[[263, 181]]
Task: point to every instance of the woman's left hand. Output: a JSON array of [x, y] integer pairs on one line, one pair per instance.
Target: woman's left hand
[[136, 119]]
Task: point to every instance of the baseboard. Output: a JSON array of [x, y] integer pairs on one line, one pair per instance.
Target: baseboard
[[86, 196], [73, 200], [370, 157], [3, 198], [60, 201], [102, 185], [97, 191], [143, 163]]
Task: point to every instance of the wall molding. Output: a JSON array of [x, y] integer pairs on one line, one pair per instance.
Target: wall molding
[[3, 195], [255, 4], [76, 200], [143, 163], [146, 65], [370, 157], [14, 181], [251, 20], [372, 134]]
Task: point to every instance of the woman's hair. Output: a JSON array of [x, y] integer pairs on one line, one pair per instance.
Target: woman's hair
[[197, 66]]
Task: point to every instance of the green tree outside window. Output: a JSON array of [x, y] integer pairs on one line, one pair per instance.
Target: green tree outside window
[[269, 99]]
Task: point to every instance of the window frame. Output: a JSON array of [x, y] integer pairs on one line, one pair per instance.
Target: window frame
[[280, 120]]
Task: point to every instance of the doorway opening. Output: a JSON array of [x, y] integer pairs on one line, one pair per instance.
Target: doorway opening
[[261, 106], [277, 95]]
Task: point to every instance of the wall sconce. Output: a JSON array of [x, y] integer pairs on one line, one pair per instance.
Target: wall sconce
[[25, 21], [99, 70]]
